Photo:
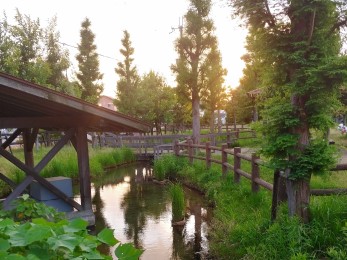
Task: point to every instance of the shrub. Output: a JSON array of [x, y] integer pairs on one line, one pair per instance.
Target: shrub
[[38, 238]]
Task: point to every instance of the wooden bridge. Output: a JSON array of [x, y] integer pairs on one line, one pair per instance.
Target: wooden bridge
[[153, 146]]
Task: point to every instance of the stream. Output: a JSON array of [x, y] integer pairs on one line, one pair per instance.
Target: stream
[[139, 211]]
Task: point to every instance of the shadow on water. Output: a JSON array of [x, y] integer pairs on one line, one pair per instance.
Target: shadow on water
[[139, 211]]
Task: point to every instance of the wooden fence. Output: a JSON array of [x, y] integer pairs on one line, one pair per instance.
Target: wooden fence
[[157, 144], [186, 149]]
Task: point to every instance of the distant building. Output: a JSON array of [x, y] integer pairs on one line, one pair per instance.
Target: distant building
[[107, 102]]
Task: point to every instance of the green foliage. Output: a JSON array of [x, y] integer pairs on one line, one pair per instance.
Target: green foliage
[[241, 227], [127, 85], [167, 166], [24, 209], [178, 203], [36, 237], [88, 64]]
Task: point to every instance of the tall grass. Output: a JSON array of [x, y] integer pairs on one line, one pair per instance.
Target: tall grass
[[65, 163], [242, 229], [178, 202]]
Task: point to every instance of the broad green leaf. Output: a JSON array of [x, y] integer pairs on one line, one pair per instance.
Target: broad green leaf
[[76, 225], [106, 236], [38, 233], [15, 257], [93, 255], [4, 245], [4, 223], [89, 244], [128, 252], [68, 241], [17, 236], [33, 257], [41, 252]]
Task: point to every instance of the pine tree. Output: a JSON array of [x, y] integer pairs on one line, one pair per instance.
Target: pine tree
[[127, 85], [88, 63]]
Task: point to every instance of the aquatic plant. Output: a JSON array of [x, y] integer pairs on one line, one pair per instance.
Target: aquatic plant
[[178, 204]]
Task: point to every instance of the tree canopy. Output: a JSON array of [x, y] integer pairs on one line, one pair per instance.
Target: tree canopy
[[298, 44], [88, 64]]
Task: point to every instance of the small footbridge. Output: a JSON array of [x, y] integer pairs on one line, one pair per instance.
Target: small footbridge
[[152, 146]]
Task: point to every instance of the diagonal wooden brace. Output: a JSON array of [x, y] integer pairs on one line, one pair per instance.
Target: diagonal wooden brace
[[33, 173]]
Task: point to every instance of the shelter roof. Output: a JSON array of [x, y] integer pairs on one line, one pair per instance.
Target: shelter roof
[[27, 105]]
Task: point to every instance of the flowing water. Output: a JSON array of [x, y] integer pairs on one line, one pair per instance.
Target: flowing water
[[139, 211]]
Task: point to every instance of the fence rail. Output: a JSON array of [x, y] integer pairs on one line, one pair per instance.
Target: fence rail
[[186, 149]]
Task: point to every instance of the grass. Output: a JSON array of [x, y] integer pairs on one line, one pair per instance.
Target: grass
[[65, 163], [178, 203], [242, 229]]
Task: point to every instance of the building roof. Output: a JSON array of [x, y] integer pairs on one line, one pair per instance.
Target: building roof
[[27, 105]]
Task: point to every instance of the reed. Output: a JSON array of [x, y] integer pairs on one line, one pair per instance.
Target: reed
[[178, 203]]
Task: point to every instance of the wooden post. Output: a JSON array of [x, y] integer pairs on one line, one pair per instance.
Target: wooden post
[[83, 168], [208, 155], [229, 139], [224, 160], [176, 148], [190, 150], [237, 164], [237, 134], [255, 173]]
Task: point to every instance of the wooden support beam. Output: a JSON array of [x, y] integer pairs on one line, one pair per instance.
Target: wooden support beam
[[83, 168], [31, 172], [9, 140]]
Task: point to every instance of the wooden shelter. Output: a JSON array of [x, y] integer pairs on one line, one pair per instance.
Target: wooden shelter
[[28, 107]]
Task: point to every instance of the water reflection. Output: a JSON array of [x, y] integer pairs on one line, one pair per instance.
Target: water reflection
[[139, 211]]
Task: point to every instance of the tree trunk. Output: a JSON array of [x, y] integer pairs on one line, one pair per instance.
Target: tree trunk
[[212, 122], [219, 122], [196, 116], [298, 192]]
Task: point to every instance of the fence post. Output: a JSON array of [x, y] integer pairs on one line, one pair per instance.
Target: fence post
[[224, 160], [229, 139], [208, 155], [237, 164], [176, 148], [190, 150], [237, 134], [255, 173]]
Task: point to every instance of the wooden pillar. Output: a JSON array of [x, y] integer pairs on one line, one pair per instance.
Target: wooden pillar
[[237, 164], [208, 155], [279, 193], [224, 160], [255, 173], [176, 148], [83, 168]]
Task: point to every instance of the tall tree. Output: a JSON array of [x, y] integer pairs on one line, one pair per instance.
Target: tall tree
[[193, 47], [129, 79], [88, 64], [9, 51], [57, 60], [156, 100], [27, 35], [214, 95], [299, 43]]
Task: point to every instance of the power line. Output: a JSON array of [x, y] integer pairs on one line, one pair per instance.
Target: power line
[[99, 54]]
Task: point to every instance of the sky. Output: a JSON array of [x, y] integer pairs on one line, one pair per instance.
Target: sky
[[152, 25]]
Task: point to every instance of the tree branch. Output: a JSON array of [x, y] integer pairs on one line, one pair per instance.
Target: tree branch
[[272, 21], [312, 22]]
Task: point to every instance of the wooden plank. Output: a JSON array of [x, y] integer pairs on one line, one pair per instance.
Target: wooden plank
[[327, 192], [45, 160], [9, 140], [4, 178], [30, 171]]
